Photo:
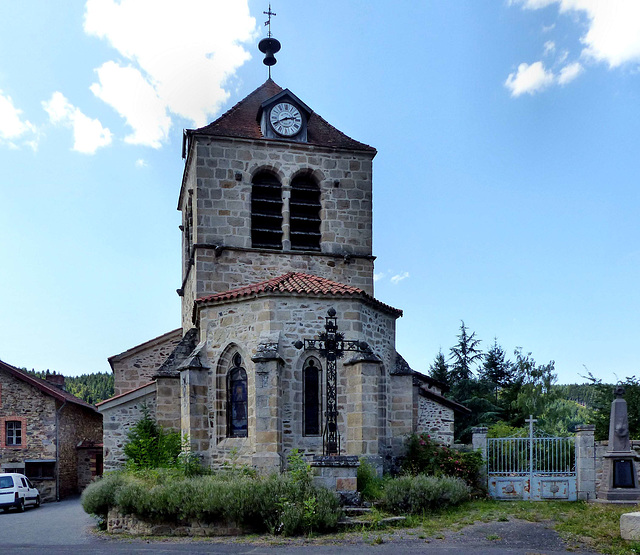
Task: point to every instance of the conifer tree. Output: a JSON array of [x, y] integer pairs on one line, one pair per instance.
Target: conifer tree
[[465, 355], [439, 369]]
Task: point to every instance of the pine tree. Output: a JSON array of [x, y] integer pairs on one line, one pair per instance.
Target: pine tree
[[439, 369], [496, 369], [464, 355]]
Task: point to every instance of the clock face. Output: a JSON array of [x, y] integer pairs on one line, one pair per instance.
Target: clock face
[[285, 119]]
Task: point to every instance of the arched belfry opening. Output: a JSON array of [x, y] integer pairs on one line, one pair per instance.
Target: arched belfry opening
[[304, 208], [266, 211]]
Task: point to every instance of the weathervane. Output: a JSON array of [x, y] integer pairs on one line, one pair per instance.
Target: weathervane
[[269, 46]]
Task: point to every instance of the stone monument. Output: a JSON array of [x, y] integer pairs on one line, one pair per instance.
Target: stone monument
[[619, 477]]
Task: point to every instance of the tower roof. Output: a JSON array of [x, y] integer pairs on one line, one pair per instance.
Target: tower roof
[[241, 121], [297, 283]]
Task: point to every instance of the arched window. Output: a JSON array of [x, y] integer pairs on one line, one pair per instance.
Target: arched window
[[237, 399], [312, 398], [304, 210], [266, 211]]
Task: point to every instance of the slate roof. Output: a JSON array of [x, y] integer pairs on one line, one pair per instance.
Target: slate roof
[[44, 386], [241, 121], [188, 343], [297, 283], [457, 407]]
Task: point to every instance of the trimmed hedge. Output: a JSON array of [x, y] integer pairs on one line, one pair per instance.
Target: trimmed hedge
[[278, 504]]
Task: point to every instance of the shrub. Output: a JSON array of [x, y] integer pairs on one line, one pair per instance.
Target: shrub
[[149, 446], [426, 456], [100, 495], [369, 483], [280, 504], [417, 494]]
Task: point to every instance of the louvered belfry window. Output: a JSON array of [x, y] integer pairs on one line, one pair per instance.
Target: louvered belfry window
[[266, 211], [305, 214]]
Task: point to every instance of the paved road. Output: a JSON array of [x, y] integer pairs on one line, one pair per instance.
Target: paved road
[[62, 528]]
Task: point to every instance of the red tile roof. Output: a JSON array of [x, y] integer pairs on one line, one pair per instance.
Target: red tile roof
[[45, 386], [297, 283], [240, 121]]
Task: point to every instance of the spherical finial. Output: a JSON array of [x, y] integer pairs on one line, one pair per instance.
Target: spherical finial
[[331, 312]]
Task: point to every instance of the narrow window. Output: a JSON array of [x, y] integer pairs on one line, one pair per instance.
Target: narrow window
[[312, 398], [305, 214], [266, 211], [237, 399], [13, 432]]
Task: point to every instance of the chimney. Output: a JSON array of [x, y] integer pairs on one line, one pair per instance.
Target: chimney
[[55, 379]]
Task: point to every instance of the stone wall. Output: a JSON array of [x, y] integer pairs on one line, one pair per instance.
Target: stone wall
[[222, 214], [601, 449], [77, 424], [138, 365], [436, 420], [238, 327], [89, 466], [118, 420]]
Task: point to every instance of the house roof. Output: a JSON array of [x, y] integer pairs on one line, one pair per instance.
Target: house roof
[[241, 121], [431, 382], [429, 394], [173, 334], [44, 386], [296, 283], [138, 390]]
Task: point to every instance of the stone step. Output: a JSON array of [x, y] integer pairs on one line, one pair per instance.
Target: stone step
[[355, 511], [348, 522]]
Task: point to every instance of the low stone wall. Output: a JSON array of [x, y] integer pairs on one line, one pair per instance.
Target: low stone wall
[[601, 449], [117, 523]]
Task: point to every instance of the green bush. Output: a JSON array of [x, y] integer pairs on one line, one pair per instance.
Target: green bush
[[369, 483], [426, 456], [149, 446], [417, 494], [279, 504], [99, 496]]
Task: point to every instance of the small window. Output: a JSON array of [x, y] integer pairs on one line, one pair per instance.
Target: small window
[[6, 482], [237, 399], [40, 470], [312, 399], [304, 208], [266, 211], [13, 433]]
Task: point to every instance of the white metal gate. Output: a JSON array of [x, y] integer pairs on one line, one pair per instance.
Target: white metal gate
[[532, 468]]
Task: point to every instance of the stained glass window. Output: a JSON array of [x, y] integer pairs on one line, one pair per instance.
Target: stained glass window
[[237, 399]]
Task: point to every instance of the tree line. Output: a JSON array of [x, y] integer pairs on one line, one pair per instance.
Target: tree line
[[91, 388], [502, 392]]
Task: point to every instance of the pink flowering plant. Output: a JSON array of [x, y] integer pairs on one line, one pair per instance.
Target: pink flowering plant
[[427, 456]]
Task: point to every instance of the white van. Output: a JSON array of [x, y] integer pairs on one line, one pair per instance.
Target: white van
[[17, 491]]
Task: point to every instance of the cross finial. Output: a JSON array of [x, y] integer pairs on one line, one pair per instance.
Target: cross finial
[[268, 22]]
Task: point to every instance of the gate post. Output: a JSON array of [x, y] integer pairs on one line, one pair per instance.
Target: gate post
[[586, 462], [479, 440]]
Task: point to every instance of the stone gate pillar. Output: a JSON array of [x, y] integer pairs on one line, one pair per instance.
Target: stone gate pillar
[[586, 462]]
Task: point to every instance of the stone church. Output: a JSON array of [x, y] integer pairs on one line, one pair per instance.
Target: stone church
[[276, 229]]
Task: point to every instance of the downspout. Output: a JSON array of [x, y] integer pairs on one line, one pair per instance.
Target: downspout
[[58, 450]]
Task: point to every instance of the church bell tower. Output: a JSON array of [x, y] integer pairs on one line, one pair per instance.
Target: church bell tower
[[271, 187]]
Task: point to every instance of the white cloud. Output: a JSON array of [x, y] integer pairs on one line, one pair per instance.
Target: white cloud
[[88, 133], [179, 59], [135, 99], [529, 79], [399, 277], [140, 163], [12, 125], [378, 277], [549, 47], [569, 72], [613, 34]]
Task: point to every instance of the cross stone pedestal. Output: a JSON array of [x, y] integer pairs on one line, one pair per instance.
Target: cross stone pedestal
[[338, 473]]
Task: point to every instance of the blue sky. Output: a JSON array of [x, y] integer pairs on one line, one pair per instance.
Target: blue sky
[[505, 185]]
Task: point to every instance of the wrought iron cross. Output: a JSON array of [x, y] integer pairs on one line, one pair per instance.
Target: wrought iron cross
[[268, 22], [331, 345]]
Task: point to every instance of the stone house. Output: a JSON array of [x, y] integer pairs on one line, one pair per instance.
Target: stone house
[[276, 228], [46, 433]]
